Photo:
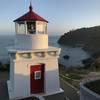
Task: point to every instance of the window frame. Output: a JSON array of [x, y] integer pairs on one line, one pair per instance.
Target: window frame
[[35, 75]]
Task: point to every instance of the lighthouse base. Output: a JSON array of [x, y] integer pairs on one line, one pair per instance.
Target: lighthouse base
[[40, 96], [33, 73]]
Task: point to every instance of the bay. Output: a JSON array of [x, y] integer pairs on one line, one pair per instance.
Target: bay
[[76, 54]]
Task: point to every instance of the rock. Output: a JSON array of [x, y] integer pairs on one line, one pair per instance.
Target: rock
[[66, 57]]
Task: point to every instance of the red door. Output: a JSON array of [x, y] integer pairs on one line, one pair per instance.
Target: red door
[[37, 78]]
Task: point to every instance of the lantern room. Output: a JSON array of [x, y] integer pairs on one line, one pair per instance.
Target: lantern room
[[31, 31], [31, 23]]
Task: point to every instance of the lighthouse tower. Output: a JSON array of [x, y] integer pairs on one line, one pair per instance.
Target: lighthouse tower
[[33, 64]]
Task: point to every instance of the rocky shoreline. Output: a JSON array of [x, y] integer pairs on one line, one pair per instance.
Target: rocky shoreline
[[86, 38]]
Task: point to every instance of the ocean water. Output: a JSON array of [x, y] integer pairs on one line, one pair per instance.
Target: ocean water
[[76, 54], [5, 41]]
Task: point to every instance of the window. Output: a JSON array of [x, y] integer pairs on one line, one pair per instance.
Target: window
[[37, 75], [21, 28], [31, 27]]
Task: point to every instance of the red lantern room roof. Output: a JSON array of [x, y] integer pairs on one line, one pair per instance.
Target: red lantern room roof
[[30, 16]]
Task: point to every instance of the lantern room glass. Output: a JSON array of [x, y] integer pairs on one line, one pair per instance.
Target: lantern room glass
[[31, 27], [20, 27]]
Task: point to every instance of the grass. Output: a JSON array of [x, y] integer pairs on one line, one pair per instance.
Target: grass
[[75, 75]]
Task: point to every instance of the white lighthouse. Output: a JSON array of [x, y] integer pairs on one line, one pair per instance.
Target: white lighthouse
[[33, 64]]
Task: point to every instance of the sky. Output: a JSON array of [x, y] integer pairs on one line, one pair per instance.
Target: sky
[[63, 15]]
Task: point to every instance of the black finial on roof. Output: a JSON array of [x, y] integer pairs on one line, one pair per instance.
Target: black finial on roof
[[30, 7]]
